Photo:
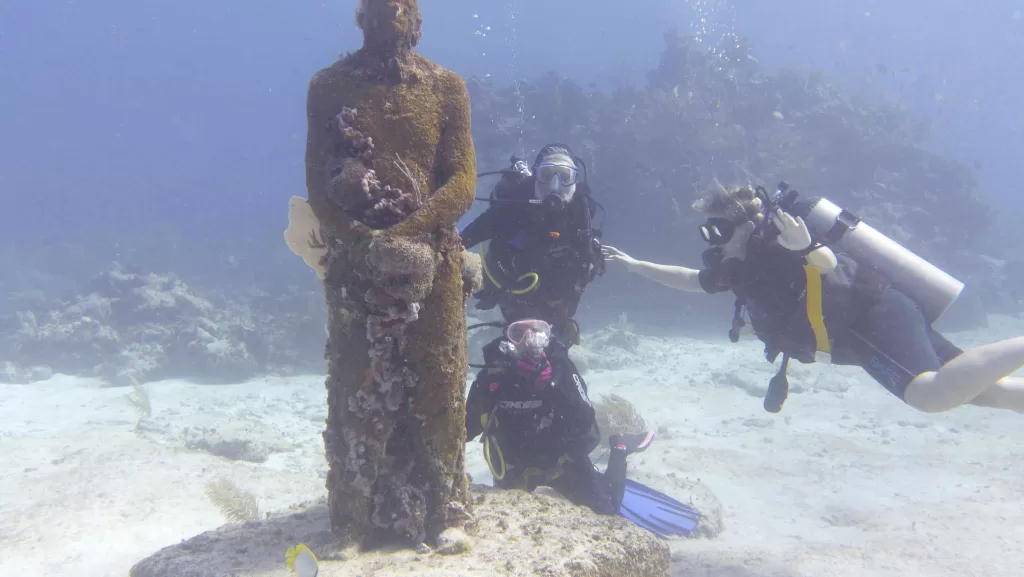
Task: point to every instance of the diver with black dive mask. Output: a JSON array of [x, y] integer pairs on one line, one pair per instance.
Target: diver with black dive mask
[[870, 302]]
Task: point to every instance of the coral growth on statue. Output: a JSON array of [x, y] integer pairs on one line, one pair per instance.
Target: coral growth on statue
[[390, 168]]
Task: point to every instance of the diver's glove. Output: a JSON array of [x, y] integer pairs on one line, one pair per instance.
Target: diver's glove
[[794, 235], [793, 232]]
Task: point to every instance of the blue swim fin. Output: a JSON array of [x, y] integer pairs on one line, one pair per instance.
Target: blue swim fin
[[657, 512]]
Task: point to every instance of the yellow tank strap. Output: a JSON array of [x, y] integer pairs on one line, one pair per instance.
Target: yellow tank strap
[[816, 316]]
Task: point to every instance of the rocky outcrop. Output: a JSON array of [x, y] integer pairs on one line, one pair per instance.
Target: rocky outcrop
[[511, 533]]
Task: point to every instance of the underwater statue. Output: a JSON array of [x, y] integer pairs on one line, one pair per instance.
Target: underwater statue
[[390, 168]]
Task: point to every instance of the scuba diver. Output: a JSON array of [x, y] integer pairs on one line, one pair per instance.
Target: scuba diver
[[544, 248], [529, 405], [870, 303]]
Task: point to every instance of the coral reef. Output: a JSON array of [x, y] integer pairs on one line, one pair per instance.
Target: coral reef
[[390, 168], [511, 533], [127, 325]]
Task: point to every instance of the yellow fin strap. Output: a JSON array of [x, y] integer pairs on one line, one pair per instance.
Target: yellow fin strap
[[815, 315]]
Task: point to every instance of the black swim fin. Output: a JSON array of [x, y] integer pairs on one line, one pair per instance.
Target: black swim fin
[[657, 512]]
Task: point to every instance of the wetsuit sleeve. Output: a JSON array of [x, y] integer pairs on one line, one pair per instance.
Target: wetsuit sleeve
[[579, 434], [484, 227], [712, 280]]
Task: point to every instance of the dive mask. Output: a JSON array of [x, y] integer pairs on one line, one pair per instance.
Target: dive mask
[[717, 231], [567, 175], [530, 336]]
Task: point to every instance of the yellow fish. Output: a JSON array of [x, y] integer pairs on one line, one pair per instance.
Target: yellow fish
[[301, 560]]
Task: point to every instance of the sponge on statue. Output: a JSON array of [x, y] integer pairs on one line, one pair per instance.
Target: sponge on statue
[[303, 235]]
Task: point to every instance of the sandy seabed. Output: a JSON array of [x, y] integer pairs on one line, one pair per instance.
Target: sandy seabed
[[846, 481]]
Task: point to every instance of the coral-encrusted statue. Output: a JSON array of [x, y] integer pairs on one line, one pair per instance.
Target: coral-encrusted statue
[[390, 168]]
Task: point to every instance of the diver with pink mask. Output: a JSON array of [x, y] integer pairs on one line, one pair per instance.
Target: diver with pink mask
[[529, 406]]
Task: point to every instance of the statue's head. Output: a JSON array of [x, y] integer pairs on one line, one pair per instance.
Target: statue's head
[[390, 24]]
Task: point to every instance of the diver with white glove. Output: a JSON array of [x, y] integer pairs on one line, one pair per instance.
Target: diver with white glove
[[805, 302]]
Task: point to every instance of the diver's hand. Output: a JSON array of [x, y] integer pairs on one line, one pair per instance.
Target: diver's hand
[[612, 254], [793, 232]]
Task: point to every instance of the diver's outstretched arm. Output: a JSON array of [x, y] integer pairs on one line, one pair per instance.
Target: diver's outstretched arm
[[979, 376], [677, 277], [486, 226]]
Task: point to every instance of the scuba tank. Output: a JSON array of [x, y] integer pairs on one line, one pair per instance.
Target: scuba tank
[[931, 288]]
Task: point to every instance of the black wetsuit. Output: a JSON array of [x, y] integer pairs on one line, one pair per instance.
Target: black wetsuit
[[560, 248], [545, 429], [871, 324]]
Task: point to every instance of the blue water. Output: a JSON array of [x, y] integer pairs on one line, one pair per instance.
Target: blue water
[[142, 128]]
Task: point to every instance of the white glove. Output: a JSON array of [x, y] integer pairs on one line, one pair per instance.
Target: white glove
[[793, 233]]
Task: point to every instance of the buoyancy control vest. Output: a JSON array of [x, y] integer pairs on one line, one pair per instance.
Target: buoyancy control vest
[[550, 253], [794, 309]]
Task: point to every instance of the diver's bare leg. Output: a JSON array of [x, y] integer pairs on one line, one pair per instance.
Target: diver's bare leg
[[1007, 393], [966, 377]]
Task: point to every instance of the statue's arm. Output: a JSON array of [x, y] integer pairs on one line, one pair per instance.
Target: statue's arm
[[458, 164]]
